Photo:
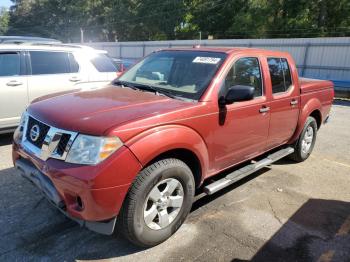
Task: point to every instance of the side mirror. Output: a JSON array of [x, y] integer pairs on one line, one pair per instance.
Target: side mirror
[[236, 94]]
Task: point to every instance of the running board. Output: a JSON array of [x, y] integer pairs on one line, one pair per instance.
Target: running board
[[246, 171]]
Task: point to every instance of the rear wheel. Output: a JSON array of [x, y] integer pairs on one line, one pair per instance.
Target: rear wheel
[[157, 203], [306, 141]]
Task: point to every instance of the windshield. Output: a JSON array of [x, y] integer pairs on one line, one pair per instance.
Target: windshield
[[185, 74]]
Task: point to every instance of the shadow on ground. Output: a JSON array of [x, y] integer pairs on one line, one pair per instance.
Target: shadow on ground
[[203, 199], [6, 139], [318, 231], [341, 102]]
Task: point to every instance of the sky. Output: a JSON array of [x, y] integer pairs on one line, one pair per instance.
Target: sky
[[5, 3]]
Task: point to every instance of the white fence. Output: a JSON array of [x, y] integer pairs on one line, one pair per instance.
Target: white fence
[[323, 58]]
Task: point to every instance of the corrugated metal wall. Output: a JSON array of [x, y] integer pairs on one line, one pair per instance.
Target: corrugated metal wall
[[323, 58]]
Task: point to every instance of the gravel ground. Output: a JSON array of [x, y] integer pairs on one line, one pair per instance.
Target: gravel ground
[[289, 212]]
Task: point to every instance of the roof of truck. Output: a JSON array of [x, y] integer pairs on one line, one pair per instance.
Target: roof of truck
[[229, 50]]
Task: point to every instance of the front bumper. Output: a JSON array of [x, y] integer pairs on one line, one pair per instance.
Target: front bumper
[[45, 185], [90, 195]]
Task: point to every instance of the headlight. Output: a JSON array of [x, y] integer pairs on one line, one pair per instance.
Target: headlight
[[19, 130], [91, 150]]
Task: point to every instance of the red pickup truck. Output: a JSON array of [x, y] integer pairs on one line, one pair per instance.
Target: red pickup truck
[[131, 155]]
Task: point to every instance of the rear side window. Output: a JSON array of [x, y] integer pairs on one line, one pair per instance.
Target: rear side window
[[103, 64], [74, 66], [44, 63], [287, 75], [245, 71], [280, 74], [10, 64]]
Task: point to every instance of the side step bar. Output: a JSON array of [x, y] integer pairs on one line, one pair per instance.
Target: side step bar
[[246, 171]]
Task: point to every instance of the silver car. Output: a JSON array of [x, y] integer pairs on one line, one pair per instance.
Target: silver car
[[28, 71]]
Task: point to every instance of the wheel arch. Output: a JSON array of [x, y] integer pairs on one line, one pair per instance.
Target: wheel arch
[[311, 108], [318, 117], [186, 156], [178, 142]]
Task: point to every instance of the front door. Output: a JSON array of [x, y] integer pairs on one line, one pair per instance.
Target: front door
[[244, 128], [13, 88]]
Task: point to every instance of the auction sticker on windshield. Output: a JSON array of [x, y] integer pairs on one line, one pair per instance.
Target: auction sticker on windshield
[[206, 60]]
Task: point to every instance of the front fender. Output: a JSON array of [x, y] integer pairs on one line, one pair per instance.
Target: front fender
[[306, 110], [153, 142]]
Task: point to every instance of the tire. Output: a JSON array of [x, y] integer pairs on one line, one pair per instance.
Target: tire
[[301, 151], [139, 204]]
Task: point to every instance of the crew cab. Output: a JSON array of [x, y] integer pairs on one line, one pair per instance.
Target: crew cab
[[130, 156]]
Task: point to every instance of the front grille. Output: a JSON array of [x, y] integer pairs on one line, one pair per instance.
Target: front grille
[[63, 144], [58, 140], [42, 132]]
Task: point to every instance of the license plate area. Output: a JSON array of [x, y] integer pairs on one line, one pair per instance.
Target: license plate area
[[41, 181]]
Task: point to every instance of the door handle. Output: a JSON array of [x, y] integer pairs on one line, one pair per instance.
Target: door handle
[[14, 83], [293, 102], [264, 109], [74, 79]]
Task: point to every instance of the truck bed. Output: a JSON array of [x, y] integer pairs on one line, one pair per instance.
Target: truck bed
[[308, 85], [320, 92]]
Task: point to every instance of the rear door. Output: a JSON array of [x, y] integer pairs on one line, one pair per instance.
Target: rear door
[[13, 88], [284, 103], [51, 72]]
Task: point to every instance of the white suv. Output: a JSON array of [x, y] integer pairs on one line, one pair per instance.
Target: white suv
[[28, 71]]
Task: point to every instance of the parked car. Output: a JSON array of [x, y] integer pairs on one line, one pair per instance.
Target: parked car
[[25, 39], [132, 154], [28, 71]]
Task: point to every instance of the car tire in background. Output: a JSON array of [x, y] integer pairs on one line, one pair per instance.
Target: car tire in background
[[157, 203], [306, 141]]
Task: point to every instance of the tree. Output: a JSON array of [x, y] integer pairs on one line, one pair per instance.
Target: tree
[[126, 20], [48, 18], [159, 20], [4, 20], [219, 18]]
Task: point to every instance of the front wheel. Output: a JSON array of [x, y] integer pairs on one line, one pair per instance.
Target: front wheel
[[157, 203], [306, 141]]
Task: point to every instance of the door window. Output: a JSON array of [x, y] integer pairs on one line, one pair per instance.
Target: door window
[[286, 72], [44, 63], [74, 66], [245, 71], [280, 74], [10, 64], [103, 63]]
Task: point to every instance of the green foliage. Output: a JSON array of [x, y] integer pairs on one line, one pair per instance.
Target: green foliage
[[4, 20], [126, 20]]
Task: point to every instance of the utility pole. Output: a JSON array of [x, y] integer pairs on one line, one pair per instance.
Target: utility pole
[[200, 37], [81, 35]]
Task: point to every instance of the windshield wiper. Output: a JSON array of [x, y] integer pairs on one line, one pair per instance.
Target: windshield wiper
[[125, 84], [147, 88], [157, 91]]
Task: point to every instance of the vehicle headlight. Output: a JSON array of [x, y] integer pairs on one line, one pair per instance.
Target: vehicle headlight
[[91, 150], [19, 130]]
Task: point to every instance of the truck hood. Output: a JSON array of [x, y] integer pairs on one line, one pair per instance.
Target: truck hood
[[95, 111]]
